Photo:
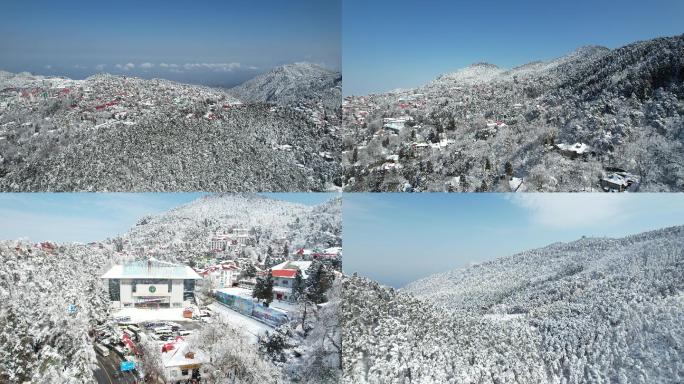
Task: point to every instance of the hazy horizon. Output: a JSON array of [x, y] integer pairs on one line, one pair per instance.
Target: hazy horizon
[[194, 79], [399, 238]]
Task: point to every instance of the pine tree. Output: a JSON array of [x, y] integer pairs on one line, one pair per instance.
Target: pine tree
[[258, 290], [298, 285], [268, 288], [508, 168], [318, 282], [248, 271], [263, 290]]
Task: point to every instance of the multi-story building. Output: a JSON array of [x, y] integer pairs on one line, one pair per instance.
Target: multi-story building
[[151, 283]]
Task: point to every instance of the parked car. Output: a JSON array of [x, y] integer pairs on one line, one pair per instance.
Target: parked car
[[119, 351], [101, 350], [153, 324]]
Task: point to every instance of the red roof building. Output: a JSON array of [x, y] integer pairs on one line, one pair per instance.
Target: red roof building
[[287, 273]]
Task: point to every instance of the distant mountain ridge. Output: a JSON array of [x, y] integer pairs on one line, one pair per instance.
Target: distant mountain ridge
[[292, 83], [593, 310], [185, 231]]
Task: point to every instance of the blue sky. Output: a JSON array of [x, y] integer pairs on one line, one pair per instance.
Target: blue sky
[[398, 238], [219, 42], [401, 43], [85, 217]]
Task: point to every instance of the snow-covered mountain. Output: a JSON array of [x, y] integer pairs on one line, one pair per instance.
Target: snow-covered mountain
[[185, 232], [293, 83], [479, 128], [596, 310], [128, 134]]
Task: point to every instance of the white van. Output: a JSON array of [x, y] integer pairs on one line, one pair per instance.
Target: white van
[[163, 331], [102, 350]]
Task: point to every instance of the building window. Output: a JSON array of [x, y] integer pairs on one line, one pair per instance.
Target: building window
[[189, 285], [114, 290], [184, 372]]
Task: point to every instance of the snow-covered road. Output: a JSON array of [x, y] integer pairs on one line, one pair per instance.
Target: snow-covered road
[[252, 327]]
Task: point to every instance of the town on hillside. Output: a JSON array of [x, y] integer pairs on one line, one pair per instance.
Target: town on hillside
[[162, 304], [151, 320]]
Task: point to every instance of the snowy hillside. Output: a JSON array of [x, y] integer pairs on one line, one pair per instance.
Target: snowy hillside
[[293, 83], [594, 310], [40, 341], [185, 232], [128, 134], [481, 127]]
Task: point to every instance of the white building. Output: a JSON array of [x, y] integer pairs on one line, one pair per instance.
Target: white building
[[181, 362], [230, 240], [284, 276], [221, 275], [151, 283]]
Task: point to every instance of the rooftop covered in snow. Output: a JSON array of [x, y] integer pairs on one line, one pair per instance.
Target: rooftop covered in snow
[[151, 269]]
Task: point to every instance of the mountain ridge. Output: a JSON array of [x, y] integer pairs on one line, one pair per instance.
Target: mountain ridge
[[593, 310], [157, 135], [290, 83], [485, 128]]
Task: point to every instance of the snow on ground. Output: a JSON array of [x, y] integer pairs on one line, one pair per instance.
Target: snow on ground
[[283, 305], [250, 326], [138, 315]]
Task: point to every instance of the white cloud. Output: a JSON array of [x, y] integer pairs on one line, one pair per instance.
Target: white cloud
[[180, 68], [216, 67], [100, 67], [78, 66], [574, 210], [125, 67], [48, 66]]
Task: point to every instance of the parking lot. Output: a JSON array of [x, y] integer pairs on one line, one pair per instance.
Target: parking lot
[[116, 343]]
